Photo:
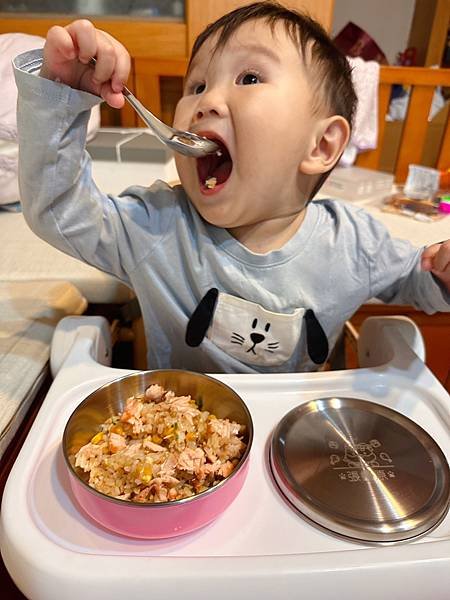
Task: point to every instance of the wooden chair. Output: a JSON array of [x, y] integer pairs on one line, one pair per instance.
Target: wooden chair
[[423, 82], [413, 139]]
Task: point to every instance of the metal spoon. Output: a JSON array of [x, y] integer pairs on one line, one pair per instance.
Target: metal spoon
[[183, 142]]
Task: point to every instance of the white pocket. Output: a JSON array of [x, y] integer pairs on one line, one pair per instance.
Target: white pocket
[[252, 334]]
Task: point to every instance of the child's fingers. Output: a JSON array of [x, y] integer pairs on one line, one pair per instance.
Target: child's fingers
[[121, 72], [68, 51], [443, 275], [105, 57], [116, 63], [59, 44], [436, 259], [428, 256], [84, 36], [60, 56], [122, 66], [441, 260], [114, 99]]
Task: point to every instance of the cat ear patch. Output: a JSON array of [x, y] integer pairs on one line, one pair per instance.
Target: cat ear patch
[[201, 318], [316, 340]]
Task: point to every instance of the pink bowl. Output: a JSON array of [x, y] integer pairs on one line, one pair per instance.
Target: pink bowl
[[162, 519]]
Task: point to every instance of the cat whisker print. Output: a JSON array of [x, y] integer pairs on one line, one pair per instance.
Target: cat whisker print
[[272, 346], [237, 338]]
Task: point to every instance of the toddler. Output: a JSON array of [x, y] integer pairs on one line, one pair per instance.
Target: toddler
[[235, 269]]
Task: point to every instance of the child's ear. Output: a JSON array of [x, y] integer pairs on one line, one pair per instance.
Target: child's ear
[[331, 137]]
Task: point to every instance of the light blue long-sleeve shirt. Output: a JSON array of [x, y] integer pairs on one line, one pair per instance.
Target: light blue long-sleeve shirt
[[153, 240]]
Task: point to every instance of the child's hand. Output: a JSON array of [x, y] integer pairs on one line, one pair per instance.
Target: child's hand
[[436, 258], [67, 53]]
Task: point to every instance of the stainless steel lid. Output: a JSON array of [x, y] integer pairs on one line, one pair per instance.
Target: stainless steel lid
[[361, 470]]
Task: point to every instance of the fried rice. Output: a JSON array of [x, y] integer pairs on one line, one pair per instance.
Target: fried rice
[[161, 448]]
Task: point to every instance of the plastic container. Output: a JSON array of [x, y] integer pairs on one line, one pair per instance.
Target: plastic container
[[356, 183]]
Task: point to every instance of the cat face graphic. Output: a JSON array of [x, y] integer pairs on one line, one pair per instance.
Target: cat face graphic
[[257, 338]]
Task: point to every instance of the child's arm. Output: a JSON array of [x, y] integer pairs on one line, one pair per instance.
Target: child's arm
[[60, 200], [67, 54], [399, 273], [436, 259]]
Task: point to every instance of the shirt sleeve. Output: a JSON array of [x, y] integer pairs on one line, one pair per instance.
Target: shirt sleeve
[[60, 200], [395, 274]]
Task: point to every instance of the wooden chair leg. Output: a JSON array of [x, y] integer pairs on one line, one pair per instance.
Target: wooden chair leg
[[139, 344]]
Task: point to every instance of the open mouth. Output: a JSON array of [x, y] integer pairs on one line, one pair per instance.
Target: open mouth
[[214, 169]]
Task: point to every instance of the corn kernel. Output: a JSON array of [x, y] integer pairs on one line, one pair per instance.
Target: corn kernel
[[117, 429], [147, 473], [168, 432], [143, 473], [97, 437]]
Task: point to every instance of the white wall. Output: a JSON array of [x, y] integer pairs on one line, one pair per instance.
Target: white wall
[[387, 21]]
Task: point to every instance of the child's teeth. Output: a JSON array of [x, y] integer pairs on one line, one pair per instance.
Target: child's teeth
[[219, 152], [211, 183]]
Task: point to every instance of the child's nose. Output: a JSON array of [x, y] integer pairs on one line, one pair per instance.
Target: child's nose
[[202, 112], [211, 104]]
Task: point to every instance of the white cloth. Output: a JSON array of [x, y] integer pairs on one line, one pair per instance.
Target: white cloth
[[9, 188], [29, 314], [25, 257], [366, 78], [12, 44]]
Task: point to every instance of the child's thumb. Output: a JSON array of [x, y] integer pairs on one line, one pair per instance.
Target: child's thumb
[[426, 260], [426, 264]]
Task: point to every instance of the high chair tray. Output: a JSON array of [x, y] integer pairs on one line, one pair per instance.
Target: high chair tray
[[258, 548]]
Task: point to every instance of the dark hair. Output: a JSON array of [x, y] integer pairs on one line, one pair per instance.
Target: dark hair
[[331, 78]]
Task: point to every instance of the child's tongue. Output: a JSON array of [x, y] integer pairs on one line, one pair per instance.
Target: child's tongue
[[222, 171], [215, 166]]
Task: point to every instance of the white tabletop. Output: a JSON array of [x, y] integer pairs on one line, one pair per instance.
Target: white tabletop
[[400, 226]]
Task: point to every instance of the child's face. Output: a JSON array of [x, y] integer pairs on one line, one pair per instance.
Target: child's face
[[253, 95]]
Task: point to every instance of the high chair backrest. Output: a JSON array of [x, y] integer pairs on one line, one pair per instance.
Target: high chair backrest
[[423, 82]]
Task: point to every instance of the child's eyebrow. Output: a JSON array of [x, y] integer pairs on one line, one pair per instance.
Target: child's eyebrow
[[259, 49], [246, 49]]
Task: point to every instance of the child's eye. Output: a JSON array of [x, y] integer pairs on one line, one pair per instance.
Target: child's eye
[[248, 78], [198, 88]]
